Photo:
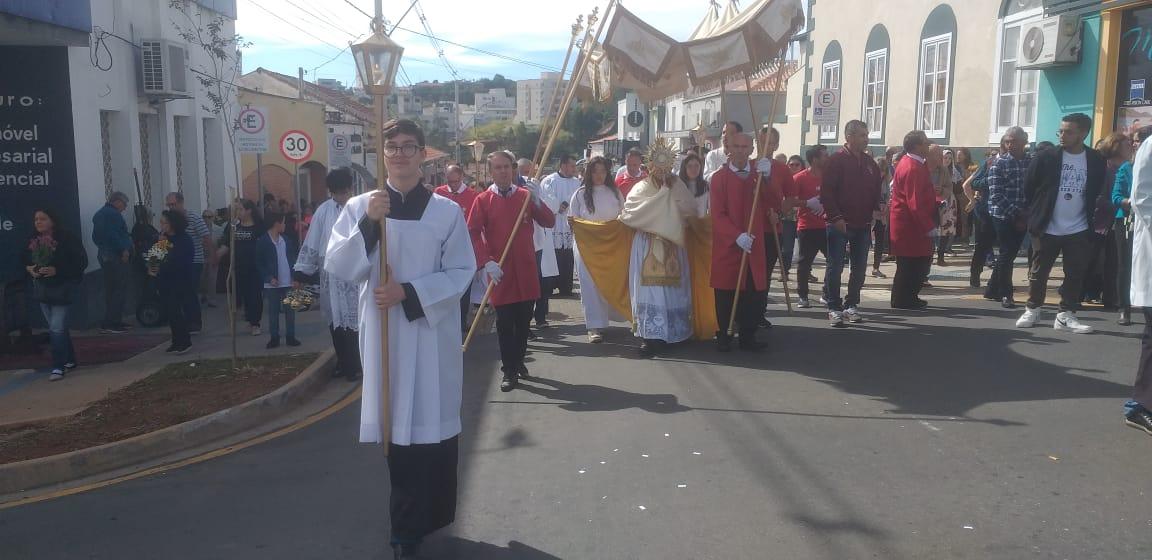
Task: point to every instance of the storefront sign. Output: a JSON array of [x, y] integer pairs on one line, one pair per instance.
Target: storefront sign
[[37, 148]]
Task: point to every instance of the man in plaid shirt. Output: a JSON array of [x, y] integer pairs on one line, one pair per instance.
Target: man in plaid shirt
[[1008, 204]]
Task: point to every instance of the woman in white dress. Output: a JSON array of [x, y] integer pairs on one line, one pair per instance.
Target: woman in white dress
[[692, 174], [598, 202]]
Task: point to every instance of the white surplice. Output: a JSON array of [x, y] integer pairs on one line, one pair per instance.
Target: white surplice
[[542, 236], [340, 300], [608, 202], [560, 189], [434, 254]]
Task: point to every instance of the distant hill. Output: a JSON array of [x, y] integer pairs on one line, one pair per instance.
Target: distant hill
[[436, 91]]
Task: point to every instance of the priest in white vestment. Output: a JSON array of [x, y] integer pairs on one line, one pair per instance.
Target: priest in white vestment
[[340, 300], [596, 201], [660, 282], [431, 263], [560, 186]]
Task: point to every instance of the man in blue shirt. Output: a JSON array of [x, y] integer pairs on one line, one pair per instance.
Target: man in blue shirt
[[1008, 206], [113, 247]]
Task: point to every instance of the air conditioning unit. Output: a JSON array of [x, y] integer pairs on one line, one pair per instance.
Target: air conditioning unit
[[164, 69], [1050, 42]]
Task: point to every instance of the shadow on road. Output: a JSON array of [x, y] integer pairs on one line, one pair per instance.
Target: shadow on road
[[456, 547]]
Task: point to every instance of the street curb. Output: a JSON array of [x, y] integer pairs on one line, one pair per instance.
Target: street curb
[[82, 463]]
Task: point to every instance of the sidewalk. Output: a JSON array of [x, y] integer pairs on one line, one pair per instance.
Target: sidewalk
[[27, 395]]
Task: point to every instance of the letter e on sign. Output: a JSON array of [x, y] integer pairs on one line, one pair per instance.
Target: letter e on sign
[[296, 145]]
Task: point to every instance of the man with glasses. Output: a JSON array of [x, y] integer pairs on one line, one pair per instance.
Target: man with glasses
[[430, 263], [850, 195], [1063, 186], [1008, 207]]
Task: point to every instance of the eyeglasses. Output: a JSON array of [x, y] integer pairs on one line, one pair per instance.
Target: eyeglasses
[[408, 150]]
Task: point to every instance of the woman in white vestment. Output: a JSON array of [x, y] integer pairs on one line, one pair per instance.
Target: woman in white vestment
[[659, 282], [596, 201]]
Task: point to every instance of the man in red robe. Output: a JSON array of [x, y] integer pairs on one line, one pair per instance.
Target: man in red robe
[[633, 171], [457, 191], [783, 182], [913, 212], [731, 193], [517, 282]]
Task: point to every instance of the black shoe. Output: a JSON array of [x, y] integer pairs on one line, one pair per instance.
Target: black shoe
[[765, 323], [1125, 318], [647, 349], [748, 343], [917, 305], [402, 551], [293, 342], [531, 334], [508, 382], [181, 349], [274, 343], [1140, 419], [1008, 303], [171, 349], [543, 324], [723, 342], [522, 372]]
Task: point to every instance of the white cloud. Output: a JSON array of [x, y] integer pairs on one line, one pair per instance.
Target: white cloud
[[525, 29]]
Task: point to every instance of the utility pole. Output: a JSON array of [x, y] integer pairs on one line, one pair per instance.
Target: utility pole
[[300, 83]]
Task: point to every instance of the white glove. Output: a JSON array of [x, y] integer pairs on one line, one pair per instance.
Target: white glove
[[934, 233], [764, 167], [814, 205], [492, 269], [745, 242]]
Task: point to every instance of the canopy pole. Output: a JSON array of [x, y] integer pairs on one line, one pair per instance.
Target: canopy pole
[[556, 91], [571, 92]]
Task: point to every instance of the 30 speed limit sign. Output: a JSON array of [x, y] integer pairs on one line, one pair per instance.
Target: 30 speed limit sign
[[296, 145]]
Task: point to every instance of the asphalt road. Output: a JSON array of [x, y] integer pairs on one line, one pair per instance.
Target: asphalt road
[[941, 435]]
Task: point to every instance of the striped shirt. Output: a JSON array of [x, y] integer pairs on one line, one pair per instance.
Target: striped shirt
[[197, 230]]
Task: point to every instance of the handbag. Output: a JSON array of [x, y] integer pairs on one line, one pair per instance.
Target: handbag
[[51, 292]]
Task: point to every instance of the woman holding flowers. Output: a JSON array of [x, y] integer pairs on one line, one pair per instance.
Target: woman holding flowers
[[56, 260], [170, 261]]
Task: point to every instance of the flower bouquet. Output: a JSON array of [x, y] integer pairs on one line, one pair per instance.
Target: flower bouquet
[[299, 300], [42, 248], [157, 255]]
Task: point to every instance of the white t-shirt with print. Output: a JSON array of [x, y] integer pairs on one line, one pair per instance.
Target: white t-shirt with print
[[1070, 215]]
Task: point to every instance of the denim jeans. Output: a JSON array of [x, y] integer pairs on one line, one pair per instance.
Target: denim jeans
[[1009, 239], [115, 273], [274, 302], [788, 243], [60, 341], [857, 242]]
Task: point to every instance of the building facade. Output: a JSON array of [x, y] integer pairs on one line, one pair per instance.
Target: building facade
[[533, 97], [953, 69], [98, 122]]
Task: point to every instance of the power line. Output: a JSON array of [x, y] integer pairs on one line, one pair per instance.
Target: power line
[[435, 42], [301, 29], [366, 14], [320, 19]]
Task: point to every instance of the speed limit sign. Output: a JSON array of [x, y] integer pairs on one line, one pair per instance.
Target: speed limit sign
[[296, 145]]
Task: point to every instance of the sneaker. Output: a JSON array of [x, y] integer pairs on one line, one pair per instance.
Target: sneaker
[[293, 342], [69, 366], [57, 375], [1029, 318], [877, 274], [182, 349], [595, 337], [823, 300], [853, 315], [804, 303], [543, 324], [508, 382], [1067, 321], [273, 343], [1140, 419], [256, 330], [1125, 318], [836, 318]]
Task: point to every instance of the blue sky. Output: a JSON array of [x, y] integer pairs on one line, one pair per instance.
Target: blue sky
[[310, 33]]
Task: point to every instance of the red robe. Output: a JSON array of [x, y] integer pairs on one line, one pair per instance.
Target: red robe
[[490, 223], [731, 203], [464, 199], [913, 209]]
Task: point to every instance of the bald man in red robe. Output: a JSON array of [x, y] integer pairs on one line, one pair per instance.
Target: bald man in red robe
[[732, 190], [913, 212], [457, 191], [517, 282]]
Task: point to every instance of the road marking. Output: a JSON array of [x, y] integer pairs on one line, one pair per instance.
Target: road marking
[[926, 424], [340, 405]]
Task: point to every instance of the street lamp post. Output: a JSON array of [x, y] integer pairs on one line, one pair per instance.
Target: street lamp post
[[377, 61]]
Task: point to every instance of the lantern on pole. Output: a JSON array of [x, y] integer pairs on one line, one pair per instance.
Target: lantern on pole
[[377, 61]]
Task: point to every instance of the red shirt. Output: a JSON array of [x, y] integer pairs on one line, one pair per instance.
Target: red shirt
[[807, 187], [625, 181], [851, 188], [463, 199], [730, 199]]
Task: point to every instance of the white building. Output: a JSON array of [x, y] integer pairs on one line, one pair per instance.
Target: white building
[[533, 97], [75, 70]]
